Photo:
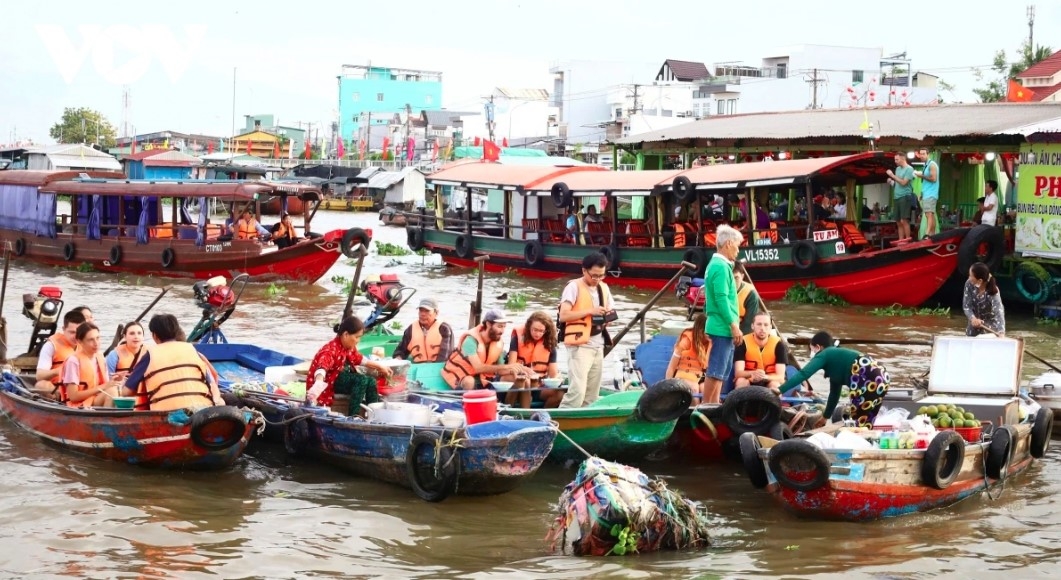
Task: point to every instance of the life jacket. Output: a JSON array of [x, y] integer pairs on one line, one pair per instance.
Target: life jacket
[[689, 360], [760, 358], [63, 351], [91, 377], [742, 297], [424, 347], [679, 235], [579, 331], [282, 231], [128, 359], [175, 378], [246, 229], [459, 365], [532, 354], [853, 238]]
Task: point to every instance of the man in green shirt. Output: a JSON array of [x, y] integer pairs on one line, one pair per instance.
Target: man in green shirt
[[720, 305]]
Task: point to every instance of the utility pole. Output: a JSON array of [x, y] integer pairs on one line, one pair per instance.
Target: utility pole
[[408, 127], [1031, 30], [814, 99], [637, 103], [490, 117]]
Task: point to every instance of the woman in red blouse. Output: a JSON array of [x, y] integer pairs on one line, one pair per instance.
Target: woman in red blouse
[[336, 355]]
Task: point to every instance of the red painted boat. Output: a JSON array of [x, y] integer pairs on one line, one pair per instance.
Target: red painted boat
[[141, 227], [273, 205], [210, 438], [529, 235]]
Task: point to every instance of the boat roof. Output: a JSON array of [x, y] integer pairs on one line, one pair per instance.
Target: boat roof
[[230, 189], [864, 167], [498, 176], [596, 183], [39, 178]]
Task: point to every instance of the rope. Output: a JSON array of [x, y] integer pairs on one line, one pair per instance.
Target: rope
[[556, 427]]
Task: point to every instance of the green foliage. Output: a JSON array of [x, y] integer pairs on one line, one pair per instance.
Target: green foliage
[[899, 310], [627, 541], [83, 125], [423, 252], [1048, 321], [274, 291], [388, 249], [628, 159], [810, 293], [995, 90], [84, 267], [395, 325], [343, 282], [516, 301]]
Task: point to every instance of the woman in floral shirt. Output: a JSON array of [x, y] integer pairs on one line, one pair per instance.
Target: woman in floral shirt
[[338, 355], [982, 302]]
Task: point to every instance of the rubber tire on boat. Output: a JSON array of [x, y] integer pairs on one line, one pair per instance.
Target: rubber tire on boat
[[611, 252], [533, 252], [415, 238], [20, 246], [168, 257], [115, 257], [352, 237], [296, 432], [450, 472], [230, 418], [943, 459], [69, 251], [561, 194], [970, 247], [1033, 282], [463, 246], [1042, 431], [664, 401], [749, 455], [799, 448], [804, 247], [735, 403], [1000, 452], [542, 417], [683, 189], [698, 257]]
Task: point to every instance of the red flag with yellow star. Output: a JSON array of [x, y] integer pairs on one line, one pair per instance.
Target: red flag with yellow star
[[1017, 93]]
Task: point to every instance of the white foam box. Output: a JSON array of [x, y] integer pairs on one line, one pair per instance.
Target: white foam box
[[280, 375]]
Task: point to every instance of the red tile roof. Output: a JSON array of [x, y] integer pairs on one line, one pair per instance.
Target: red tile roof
[[1043, 93], [685, 70], [141, 155], [1043, 68]]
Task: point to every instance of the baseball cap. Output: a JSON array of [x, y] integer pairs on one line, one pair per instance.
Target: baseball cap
[[817, 199], [494, 316], [429, 303]]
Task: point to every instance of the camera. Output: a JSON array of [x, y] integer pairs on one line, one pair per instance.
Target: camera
[[609, 316]]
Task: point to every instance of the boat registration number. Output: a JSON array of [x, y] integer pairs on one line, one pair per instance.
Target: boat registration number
[[218, 247], [761, 254]]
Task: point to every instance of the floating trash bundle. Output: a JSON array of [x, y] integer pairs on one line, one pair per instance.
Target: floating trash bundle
[[611, 508]]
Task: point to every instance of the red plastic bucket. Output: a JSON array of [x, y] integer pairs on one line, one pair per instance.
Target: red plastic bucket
[[480, 406]]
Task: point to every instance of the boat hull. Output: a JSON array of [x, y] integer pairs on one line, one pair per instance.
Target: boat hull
[[295, 206]]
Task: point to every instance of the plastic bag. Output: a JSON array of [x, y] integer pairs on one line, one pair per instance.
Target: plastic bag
[[892, 417]]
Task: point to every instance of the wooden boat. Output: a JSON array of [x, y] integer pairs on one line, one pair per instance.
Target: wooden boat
[[274, 206], [620, 425], [866, 484], [392, 217], [529, 235], [487, 458], [122, 226], [210, 438]]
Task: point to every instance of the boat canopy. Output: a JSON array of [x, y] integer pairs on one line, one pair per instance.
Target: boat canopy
[[598, 183], [866, 167], [232, 190], [496, 176], [39, 178]]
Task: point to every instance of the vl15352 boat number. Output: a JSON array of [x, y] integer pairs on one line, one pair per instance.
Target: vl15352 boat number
[[761, 254], [218, 247]]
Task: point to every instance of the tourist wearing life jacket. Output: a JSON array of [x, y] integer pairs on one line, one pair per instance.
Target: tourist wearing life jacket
[[690, 356], [284, 234], [585, 309], [478, 355], [336, 361], [720, 305], [428, 339], [86, 382], [54, 352], [761, 358], [533, 345], [747, 298], [248, 228], [173, 375], [125, 356]]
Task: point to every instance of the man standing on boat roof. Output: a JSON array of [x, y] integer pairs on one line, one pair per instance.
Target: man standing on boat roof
[[720, 305], [585, 310], [428, 339]]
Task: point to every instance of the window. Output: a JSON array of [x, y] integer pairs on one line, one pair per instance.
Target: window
[[356, 96], [618, 113], [427, 99], [856, 76], [721, 107], [782, 70], [379, 97]]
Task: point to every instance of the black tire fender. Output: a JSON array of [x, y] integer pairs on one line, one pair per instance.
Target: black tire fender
[[115, 256], [69, 251], [168, 257], [683, 189], [561, 194], [806, 456], [463, 246], [296, 430], [533, 252], [1042, 431], [664, 401], [1033, 282], [415, 238], [611, 252], [1000, 452], [969, 249], [355, 243], [447, 473], [20, 246], [755, 401], [218, 427], [749, 454], [804, 255], [943, 459], [698, 257]]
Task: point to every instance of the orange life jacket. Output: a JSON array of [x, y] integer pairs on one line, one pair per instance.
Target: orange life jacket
[[679, 235], [760, 358], [63, 351], [91, 377], [579, 331], [689, 360], [175, 378], [460, 365], [742, 297], [247, 229], [532, 354], [282, 231], [424, 347], [127, 359]]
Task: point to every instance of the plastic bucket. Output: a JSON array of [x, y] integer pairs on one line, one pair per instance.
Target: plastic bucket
[[480, 406]]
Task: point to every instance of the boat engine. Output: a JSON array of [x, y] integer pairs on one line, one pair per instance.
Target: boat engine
[[387, 295], [218, 299], [44, 309], [213, 294]]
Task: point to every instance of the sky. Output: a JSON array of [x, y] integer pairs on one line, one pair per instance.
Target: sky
[[179, 60]]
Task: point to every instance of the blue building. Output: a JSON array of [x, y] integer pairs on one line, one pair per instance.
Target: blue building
[[160, 165], [378, 93]]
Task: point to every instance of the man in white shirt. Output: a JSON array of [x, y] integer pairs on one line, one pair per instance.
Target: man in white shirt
[[989, 217]]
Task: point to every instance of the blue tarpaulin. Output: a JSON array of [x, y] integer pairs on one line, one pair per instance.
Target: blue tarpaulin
[[145, 220], [200, 237], [93, 218]]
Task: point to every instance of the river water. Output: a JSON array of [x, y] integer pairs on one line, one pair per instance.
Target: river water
[[270, 517]]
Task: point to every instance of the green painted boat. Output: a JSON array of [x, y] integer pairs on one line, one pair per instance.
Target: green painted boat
[[614, 427], [378, 337]]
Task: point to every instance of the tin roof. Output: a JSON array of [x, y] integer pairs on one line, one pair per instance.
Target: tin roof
[[386, 179], [39, 178], [237, 190], [498, 176]]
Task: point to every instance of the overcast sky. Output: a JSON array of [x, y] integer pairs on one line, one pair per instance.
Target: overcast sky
[[178, 57]]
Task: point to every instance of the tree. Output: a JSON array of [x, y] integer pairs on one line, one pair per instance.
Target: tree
[[995, 91], [83, 125]]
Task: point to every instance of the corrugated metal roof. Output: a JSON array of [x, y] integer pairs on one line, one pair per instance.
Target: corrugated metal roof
[[908, 122], [386, 179], [1044, 68], [524, 94], [172, 158], [38, 178], [86, 162], [500, 176]]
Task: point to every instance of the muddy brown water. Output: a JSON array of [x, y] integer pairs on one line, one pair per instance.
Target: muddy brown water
[[270, 517]]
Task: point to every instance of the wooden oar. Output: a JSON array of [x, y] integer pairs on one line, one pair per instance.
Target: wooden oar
[[3, 294], [476, 310], [121, 329], [348, 310], [686, 266], [1030, 353]]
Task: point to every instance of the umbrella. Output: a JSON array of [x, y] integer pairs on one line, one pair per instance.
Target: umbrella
[[200, 238], [93, 218], [145, 217]]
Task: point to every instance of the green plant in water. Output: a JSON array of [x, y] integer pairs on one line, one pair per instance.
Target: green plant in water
[[275, 290], [388, 249], [627, 541], [899, 310], [423, 252], [395, 325], [810, 293], [343, 282], [516, 301], [1047, 321]]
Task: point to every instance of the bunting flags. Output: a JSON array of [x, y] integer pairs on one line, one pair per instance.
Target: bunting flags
[[491, 152], [361, 149], [476, 142], [386, 148], [276, 150], [504, 141], [309, 152], [449, 151], [410, 149], [434, 151], [249, 147], [1016, 93], [209, 147], [341, 149]]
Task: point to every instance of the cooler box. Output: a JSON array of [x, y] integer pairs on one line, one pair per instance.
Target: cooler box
[[674, 327], [280, 374]]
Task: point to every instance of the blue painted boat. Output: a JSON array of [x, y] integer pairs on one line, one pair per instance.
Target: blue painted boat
[[481, 459]]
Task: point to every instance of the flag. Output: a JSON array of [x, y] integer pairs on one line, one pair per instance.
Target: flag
[[249, 147], [309, 152], [165, 144], [865, 126], [491, 152], [449, 151], [132, 148], [386, 148], [361, 149], [434, 151], [341, 149], [276, 150], [476, 142], [1016, 93], [410, 149], [209, 147], [504, 141]]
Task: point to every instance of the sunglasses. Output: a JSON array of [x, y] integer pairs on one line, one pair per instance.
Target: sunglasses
[[597, 276]]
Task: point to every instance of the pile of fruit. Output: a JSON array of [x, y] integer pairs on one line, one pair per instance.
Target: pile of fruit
[[947, 416]]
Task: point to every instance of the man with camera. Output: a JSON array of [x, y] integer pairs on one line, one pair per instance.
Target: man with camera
[[585, 310]]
